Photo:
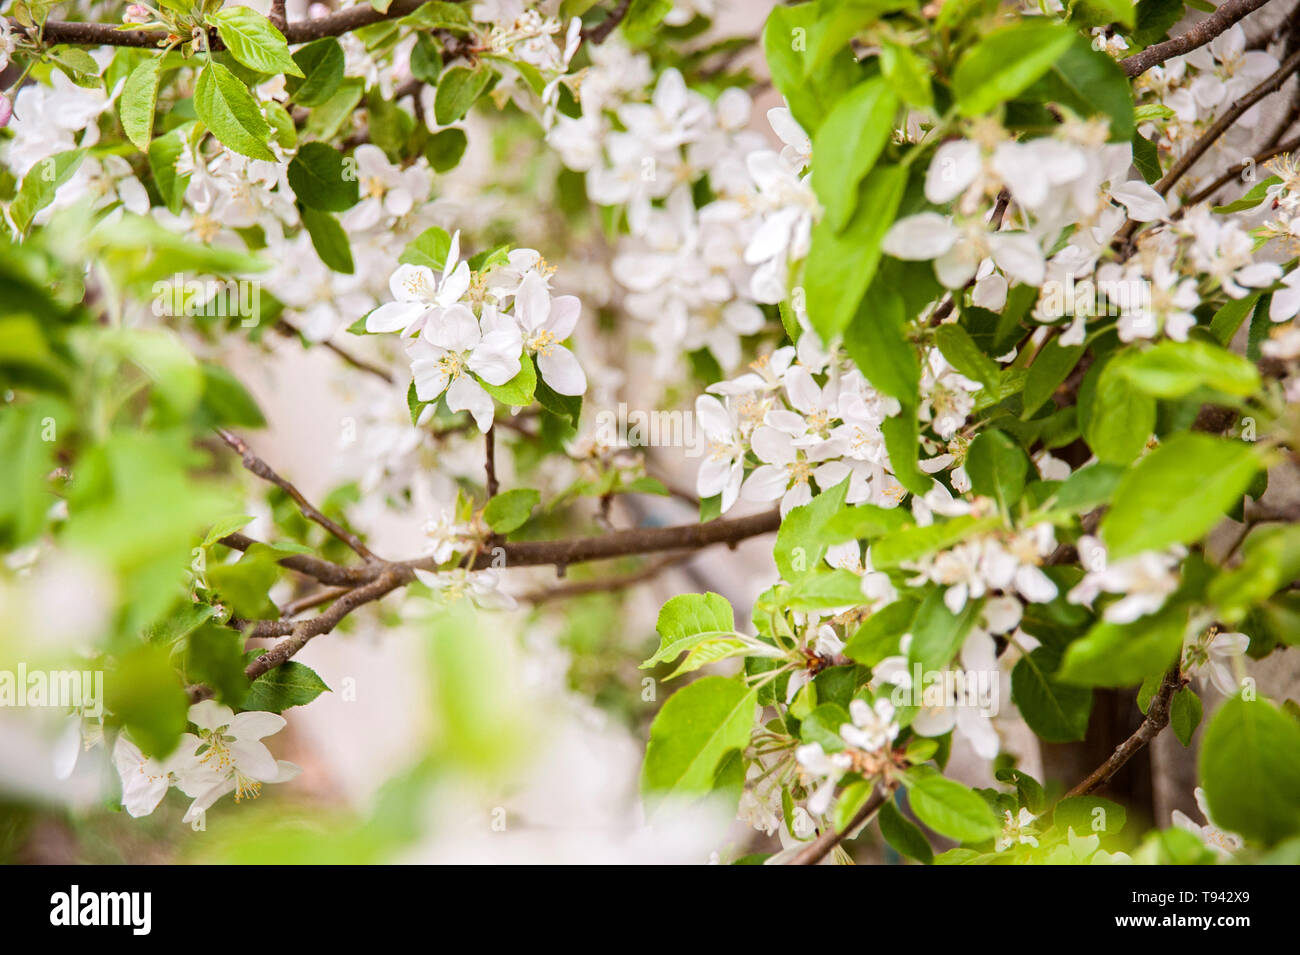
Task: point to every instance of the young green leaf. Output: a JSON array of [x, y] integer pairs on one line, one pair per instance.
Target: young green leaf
[[254, 41], [225, 106]]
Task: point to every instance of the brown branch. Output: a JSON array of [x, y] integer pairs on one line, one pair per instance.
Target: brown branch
[[314, 599], [601, 31], [826, 842], [490, 464], [1224, 122], [389, 580], [1220, 21], [624, 543], [1156, 720], [259, 467], [1124, 237], [304, 31], [325, 571], [277, 15], [1234, 171]]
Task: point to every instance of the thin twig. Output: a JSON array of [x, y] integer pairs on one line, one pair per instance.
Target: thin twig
[[1156, 720], [259, 467], [601, 31], [829, 838], [385, 583], [1220, 21]]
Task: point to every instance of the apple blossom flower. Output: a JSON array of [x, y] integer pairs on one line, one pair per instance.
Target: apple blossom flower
[[231, 756], [545, 323], [456, 344], [419, 296], [824, 771], [1223, 843]]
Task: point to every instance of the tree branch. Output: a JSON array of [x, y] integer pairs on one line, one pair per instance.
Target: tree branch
[[826, 842], [1156, 720], [388, 581], [259, 467], [107, 34], [1220, 21], [601, 31], [1224, 122]]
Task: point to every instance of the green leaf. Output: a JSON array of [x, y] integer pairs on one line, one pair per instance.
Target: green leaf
[[225, 526], [1088, 488], [876, 340], [810, 88], [290, 684], [801, 539], [438, 15], [841, 263], [1250, 200], [697, 728], [319, 179], [847, 145], [878, 637], [1173, 369], [949, 808], [139, 100], [225, 106], [518, 390], [567, 407], [429, 249], [907, 75], [1250, 769], [1057, 712], [1097, 13], [321, 63], [227, 400], [964, 355], [709, 651], [1177, 493], [1051, 366], [903, 835], [1124, 654], [1185, 714], [458, 88], [998, 468], [445, 148], [1088, 814], [1119, 420], [163, 153], [1228, 319], [40, 183], [508, 511], [1146, 157], [243, 585], [688, 619], [1089, 83], [1270, 559], [143, 690], [328, 239], [937, 632], [254, 41], [901, 442], [1005, 62]]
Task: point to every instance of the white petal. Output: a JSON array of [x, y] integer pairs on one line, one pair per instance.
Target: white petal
[[926, 235], [560, 370]]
